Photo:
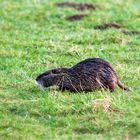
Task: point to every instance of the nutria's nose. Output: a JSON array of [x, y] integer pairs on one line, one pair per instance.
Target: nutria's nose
[[38, 81]]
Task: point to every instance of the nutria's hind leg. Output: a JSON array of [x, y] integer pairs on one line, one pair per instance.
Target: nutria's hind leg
[[108, 88], [109, 85], [111, 89], [112, 86], [62, 88]]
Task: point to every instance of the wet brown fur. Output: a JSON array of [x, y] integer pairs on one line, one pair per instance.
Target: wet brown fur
[[90, 74]]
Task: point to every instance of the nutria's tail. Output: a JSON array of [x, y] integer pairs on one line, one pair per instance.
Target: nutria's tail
[[122, 86]]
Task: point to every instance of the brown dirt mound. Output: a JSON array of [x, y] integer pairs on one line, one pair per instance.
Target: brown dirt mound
[[108, 25], [77, 6], [117, 26], [76, 17], [128, 32]]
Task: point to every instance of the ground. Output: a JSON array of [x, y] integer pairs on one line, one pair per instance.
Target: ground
[[36, 36]]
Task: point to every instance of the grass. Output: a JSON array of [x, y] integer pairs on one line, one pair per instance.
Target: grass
[[35, 37]]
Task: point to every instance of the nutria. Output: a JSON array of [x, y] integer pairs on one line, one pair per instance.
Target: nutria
[[87, 75]]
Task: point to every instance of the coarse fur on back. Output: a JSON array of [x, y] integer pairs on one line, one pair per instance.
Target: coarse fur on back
[[87, 75]]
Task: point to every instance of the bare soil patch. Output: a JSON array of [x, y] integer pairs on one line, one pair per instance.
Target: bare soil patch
[[76, 17], [130, 32], [78, 6], [108, 25], [117, 26]]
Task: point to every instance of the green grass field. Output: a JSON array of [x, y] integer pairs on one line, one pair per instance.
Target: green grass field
[[35, 37]]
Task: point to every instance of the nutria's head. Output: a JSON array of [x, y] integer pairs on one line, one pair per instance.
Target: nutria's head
[[51, 77]]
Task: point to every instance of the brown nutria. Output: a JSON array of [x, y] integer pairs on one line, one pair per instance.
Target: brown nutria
[[87, 75]]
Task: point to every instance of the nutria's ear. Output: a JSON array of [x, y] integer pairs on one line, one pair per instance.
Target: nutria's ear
[[57, 71]]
